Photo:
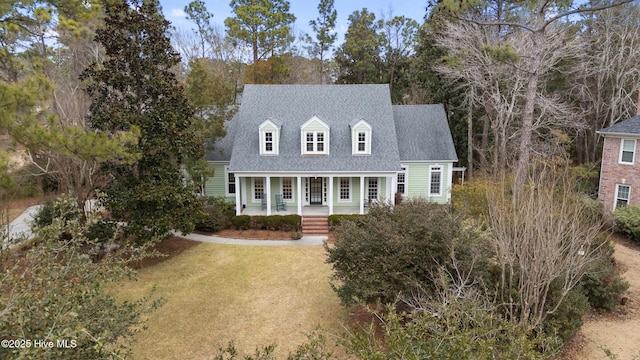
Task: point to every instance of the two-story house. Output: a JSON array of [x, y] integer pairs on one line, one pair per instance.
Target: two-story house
[[330, 149], [620, 170]]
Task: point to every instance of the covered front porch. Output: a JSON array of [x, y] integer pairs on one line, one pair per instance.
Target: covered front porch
[[317, 194], [306, 211]]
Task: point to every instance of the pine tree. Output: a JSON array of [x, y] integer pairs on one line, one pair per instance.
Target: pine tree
[[324, 27]]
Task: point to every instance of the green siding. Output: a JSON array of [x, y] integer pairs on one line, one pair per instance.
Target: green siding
[[315, 126], [214, 186], [418, 181]]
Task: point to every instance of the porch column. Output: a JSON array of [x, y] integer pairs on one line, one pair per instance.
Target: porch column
[[361, 195], [394, 187], [299, 188], [330, 195], [267, 192], [238, 201], [244, 189]]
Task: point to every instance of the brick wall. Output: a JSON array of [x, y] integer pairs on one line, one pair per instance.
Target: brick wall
[[613, 173]]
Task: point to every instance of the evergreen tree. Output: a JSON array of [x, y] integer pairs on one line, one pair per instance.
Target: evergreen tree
[[324, 27], [264, 25], [134, 89], [359, 56]]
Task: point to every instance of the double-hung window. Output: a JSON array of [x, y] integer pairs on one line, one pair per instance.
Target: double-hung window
[[315, 142], [345, 189], [268, 142], [372, 188], [627, 151], [230, 182], [362, 141], [435, 181], [402, 181], [258, 189], [287, 188], [623, 193]]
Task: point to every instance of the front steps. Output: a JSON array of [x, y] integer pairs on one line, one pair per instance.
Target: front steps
[[315, 225]]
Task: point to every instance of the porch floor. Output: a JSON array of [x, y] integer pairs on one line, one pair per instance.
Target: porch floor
[[306, 210]]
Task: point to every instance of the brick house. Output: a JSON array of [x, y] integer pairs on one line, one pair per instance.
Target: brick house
[[620, 170]]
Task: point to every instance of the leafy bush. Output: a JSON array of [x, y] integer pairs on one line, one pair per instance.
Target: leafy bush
[[395, 250], [453, 326], [241, 222], [101, 231], [276, 222], [603, 286], [627, 221], [470, 197], [66, 296], [64, 209], [218, 216], [567, 319], [337, 219]]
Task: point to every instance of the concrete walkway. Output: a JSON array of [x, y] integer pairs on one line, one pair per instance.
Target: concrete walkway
[[20, 227], [306, 240]]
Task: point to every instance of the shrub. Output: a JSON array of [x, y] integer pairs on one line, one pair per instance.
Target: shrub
[[218, 215], [627, 221], [276, 222], [470, 197], [566, 321], [393, 251], [64, 209], [603, 286], [241, 222], [337, 219], [101, 232]]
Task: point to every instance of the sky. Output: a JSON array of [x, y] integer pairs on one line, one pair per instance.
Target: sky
[[304, 10]]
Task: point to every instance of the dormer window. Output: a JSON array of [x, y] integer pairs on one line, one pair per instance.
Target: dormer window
[[269, 138], [361, 138], [268, 142], [315, 137]]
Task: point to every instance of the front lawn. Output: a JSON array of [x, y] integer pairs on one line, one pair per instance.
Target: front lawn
[[251, 295]]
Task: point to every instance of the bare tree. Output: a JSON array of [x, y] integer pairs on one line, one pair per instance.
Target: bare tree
[[608, 75], [498, 73], [545, 234], [536, 21]]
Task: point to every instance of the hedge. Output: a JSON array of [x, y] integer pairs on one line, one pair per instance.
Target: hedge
[[335, 220], [627, 221]]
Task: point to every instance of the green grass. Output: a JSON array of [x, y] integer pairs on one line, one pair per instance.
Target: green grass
[[253, 296]]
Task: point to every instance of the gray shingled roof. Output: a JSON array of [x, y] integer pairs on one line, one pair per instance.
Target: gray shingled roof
[[406, 132], [629, 126], [293, 105], [423, 133]]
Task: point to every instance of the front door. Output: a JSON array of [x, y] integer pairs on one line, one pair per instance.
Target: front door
[[315, 191]]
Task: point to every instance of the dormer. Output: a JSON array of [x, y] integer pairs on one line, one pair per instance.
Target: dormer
[[314, 137], [269, 137], [360, 138]]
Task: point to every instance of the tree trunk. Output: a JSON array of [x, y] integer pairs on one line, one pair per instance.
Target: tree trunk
[[524, 150]]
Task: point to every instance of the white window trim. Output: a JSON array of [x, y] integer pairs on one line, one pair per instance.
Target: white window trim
[[633, 158], [253, 189], [275, 138], [406, 180], [265, 142], [355, 131], [378, 189], [226, 182], [293, 189], [431, 171], [340, 189], [315, 142], [615, 198]]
